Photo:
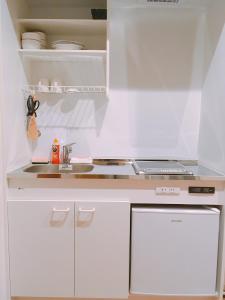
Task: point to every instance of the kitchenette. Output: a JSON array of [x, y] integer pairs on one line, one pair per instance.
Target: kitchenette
[[113, 147], [120, 227]]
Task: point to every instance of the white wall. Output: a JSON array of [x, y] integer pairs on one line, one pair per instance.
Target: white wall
[[213, 29], [212, 130], [4, 282], [15, 142], [156, 78], [4, 274], [153, 108]]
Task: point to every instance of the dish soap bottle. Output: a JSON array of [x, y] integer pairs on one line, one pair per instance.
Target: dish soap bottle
[[55, 152]]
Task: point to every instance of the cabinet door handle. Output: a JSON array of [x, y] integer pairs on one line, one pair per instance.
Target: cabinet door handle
[[86, 210], [66, 210]]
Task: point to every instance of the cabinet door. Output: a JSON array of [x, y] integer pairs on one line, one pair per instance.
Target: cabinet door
[[102, 249], [41, 244]]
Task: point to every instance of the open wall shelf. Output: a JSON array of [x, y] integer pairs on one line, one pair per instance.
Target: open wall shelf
[[88, 32], [65, 26], [61, 55]]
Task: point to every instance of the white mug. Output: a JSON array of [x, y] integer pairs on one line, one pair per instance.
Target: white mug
[[43, 85], [56, 85]]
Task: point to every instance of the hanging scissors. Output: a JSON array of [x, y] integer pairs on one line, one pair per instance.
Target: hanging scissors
[[32, 106]]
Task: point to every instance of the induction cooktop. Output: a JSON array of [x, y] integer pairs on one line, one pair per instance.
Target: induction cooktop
[[160, 167]]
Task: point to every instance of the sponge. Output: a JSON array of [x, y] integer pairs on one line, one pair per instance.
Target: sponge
[[40, 160]]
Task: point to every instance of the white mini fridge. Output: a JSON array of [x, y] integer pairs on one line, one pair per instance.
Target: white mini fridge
[[174, 250]]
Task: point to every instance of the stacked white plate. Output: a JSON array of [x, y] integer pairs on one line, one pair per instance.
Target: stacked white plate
[[34, 40], [67, 45]]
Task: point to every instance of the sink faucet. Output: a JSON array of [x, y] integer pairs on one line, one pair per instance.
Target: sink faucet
[[67, 149]]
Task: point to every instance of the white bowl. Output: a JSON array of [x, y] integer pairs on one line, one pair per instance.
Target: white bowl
[[34, 36], [43, 42], [31, 44], [42, 35], [67, 45], [66, 42]]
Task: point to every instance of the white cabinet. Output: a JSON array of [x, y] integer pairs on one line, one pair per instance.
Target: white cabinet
[[42, 235], [102, 249], [41, 244]]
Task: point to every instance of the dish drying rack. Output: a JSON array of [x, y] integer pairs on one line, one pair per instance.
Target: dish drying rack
[[32, 89]]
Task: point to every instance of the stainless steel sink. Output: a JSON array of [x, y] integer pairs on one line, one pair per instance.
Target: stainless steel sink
[[56, 169]]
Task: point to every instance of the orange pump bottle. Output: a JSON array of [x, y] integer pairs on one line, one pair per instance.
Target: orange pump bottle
[[55, 152]]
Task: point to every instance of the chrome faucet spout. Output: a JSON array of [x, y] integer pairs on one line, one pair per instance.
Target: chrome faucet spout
[[67, 149]]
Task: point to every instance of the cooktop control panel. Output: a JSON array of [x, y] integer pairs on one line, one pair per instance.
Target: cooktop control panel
[[201, 190]]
